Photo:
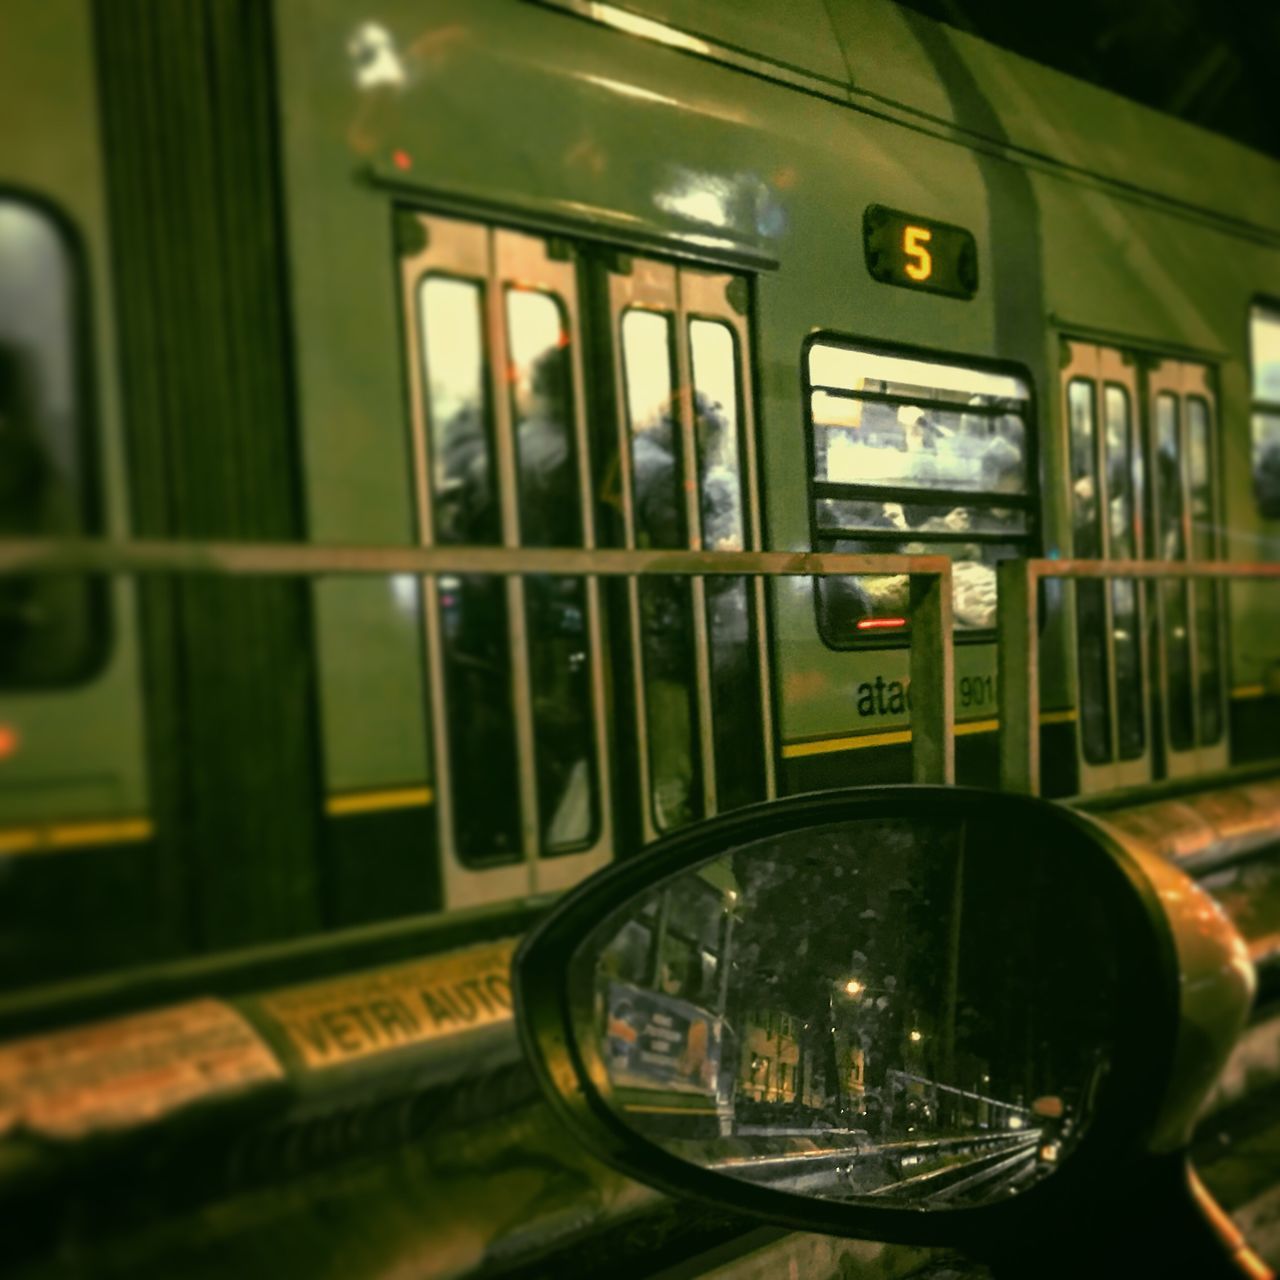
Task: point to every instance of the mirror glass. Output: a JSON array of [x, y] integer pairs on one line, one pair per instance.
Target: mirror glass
[[906, 1011]]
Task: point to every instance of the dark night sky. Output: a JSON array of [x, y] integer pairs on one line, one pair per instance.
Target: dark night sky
[[1213, 62]]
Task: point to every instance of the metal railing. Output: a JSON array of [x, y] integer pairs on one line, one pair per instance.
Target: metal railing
[[1018, 640], [932, 665], [930, 635]]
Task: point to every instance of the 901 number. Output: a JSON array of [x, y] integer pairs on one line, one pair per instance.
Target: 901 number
[[977, 691]]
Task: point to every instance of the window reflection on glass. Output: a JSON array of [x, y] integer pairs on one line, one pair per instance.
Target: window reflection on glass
[[1264, 333], [666, 632], [479, 713], [1122, 529], [1091, 613], [907, 444], [1209, 597], [885, 1008], [550, 504], [837, 515], [735, 695], [1266, 463], [541, 385], [927, 431], [1171, 545], [463, 479], [479, 719], [715, 381], [52, 628], [853, 607]]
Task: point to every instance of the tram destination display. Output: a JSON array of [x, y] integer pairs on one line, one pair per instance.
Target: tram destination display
[[919, 253]]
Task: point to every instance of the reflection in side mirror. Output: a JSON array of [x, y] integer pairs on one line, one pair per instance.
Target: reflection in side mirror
[[866, 1009], [842, 1002]]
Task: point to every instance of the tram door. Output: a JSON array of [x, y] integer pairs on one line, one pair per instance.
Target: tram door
[[501, 458], [1186, 524], [1141, 449], [682, 475], [1105, 473]]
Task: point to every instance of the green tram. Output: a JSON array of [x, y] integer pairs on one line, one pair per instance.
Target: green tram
[[571, 277]]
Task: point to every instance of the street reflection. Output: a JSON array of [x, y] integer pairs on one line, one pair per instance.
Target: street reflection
[[880, 1009]]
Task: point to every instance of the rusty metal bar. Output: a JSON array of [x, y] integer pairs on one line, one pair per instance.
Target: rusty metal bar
[[1018, 641], [43, 556], [1018, 676], [1152, 569], [933, 686]]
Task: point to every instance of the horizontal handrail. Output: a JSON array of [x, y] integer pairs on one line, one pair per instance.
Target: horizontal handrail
[[44, 556], [930, 637], [1018, 639], [1235, 569]]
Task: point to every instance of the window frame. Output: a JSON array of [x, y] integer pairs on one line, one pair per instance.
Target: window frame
[[1268, 303], [89, 496], [1031, 501]]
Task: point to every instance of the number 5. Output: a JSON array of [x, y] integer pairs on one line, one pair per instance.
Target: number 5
[[914, 240]]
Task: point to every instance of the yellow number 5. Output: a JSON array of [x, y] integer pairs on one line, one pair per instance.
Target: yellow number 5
[[914, 240]]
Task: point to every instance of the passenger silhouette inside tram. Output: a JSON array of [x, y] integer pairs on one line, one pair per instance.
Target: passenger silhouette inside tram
[[44, 622], [550, 507]]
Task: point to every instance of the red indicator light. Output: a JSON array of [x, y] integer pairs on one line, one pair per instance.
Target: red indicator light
[[880, 624], [8, 741], [402, 160]]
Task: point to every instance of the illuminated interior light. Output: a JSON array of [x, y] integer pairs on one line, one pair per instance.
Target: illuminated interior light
[[631, 90], [402, 160], [647, 28], [879, 624]]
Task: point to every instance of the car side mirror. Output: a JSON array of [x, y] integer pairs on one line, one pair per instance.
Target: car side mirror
[[908, 1013]]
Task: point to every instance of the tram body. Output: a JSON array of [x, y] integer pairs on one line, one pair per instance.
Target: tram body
[[297, 249], [718, 210]]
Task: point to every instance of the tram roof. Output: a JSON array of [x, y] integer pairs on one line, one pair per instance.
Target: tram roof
[[890, 59]]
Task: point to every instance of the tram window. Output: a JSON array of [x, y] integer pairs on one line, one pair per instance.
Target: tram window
[[1091, 609], [1172, 545], [463, 479], [1204, 540], [542, 408], [1264, 334], [657, 493], [550, 507], [1122, 477], [473, 609], [739, 750], [52, 629], [719, 465], [914, 456]]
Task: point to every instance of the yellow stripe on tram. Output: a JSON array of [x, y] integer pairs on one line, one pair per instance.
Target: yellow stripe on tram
[[74, 835], [348, 802], [857, 742], [1243, 691], [62, 836]]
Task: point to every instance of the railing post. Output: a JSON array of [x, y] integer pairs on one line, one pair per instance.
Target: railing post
[[1018, 676], [933, 686]]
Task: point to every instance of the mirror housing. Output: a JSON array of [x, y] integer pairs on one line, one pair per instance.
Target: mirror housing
[[1157, 1070]]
